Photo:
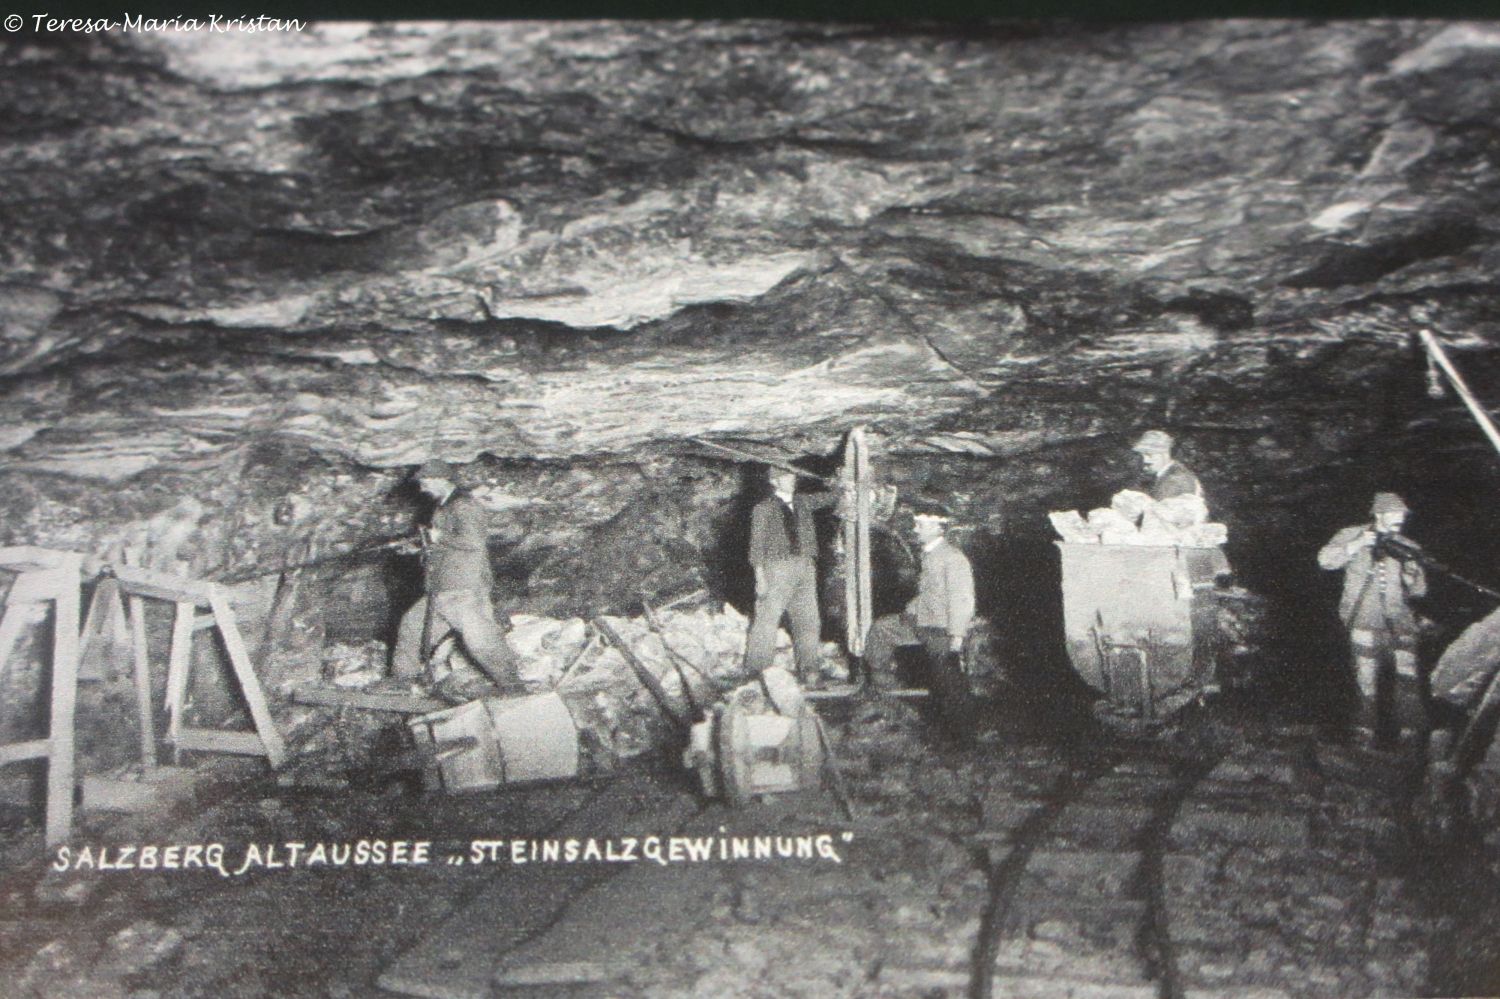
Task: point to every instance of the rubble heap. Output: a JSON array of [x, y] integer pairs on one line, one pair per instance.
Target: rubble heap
[[696, 654]]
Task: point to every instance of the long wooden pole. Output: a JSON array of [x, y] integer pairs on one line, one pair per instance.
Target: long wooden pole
[[1481, 415], [773, 462], [643, 673]]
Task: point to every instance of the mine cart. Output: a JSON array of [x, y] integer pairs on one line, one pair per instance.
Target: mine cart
[[1142, 623]]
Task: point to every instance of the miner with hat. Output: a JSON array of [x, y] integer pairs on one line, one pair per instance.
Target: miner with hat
[[783, 557], [458, 579], [937, 619], [1169, 477], [1382, 573]]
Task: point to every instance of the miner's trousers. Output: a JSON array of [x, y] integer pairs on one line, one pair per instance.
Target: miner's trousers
[[945, 676], [791, 590], [469, 615], [1389, 684]]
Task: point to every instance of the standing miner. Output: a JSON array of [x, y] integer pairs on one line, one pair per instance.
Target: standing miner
[[458, 582], [937, 619], [1169, 477], [1381, 575], [783, 556]]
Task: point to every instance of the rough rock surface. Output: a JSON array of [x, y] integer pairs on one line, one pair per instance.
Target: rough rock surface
[[557, 239]]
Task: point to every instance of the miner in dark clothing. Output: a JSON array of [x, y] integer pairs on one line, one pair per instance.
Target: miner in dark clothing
[[783, 555], [459, 579], [1169, 477]]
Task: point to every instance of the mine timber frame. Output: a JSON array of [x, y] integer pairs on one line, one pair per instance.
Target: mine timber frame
[[188, 596], [47, 576]]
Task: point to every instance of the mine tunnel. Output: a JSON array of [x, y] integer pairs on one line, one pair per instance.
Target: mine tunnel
[[408, 425]]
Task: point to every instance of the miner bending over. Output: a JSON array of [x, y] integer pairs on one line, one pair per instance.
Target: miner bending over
[[459, 579], [783, 555], [1381, 575]]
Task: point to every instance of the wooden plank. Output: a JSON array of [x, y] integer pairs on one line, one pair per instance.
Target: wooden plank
[[207, 740], [106, 616], [93, 624], [643, 674], [11, 626], [17, 751], [30, 556], [64, 701], [862, 532], [857, 591], [180, 660], [141, 656], [204, 621], [161, 585], [239, 658], [850, 690], [38, 585], [335, 697]]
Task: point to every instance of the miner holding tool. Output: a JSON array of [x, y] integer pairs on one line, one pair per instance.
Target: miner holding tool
[[458, 579], [1382, 573]]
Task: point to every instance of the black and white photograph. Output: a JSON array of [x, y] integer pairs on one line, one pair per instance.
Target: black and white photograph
[[742, 508]]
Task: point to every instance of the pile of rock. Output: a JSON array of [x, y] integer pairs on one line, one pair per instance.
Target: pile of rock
[[1133, 518], [696, 654]]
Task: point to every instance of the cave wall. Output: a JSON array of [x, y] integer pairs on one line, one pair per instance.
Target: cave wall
[[285, 271]]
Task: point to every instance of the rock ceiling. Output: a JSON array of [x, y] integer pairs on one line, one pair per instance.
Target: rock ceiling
[[572, 239]]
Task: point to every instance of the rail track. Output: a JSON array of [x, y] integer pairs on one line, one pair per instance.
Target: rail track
[[1082, 878]]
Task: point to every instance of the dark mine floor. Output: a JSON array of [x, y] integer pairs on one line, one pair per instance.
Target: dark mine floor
[[1218, 860]]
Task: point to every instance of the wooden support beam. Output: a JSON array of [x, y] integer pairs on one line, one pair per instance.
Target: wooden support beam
[[22, 557], [37, 585], [334, 697], [179, 661], [1476, 408], [17, 751], [64, 701], [161, 585], [142, 659], [203, 621], [239, 658], [215, 741], [11, 626], [105, 614]]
